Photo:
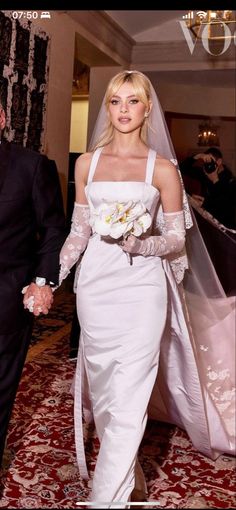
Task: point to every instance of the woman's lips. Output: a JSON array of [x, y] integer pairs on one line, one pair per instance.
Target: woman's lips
[[124, 120]]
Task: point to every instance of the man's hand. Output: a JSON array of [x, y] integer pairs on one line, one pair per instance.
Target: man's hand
[[213, 177], [205, 157], [38, 299]]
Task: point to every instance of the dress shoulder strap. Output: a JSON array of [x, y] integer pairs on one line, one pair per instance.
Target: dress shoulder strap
[[150, 166], [93, 164]]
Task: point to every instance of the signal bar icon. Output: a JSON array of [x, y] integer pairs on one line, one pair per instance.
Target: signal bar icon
[[45, 15], [188, 16]]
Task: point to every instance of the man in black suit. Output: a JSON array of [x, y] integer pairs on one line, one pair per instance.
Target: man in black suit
[[32, 231]]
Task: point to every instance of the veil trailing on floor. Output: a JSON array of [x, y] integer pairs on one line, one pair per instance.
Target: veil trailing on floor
[[195, 387]]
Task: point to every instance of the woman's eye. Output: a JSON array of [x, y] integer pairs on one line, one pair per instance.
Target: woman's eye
[[114, 101], [134, 101]]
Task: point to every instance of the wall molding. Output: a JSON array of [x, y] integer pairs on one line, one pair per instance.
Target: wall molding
[[174, 56], [104, 34]]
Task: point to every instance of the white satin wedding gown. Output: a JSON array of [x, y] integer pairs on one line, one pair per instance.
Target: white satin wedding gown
[[125, 311]]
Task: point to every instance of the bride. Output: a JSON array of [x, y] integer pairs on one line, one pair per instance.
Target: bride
[[156, 327]]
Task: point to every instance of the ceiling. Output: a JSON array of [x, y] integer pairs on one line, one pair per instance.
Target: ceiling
[[163, 25], [158, 25], [148, 25], [151, 25], [210, 78]]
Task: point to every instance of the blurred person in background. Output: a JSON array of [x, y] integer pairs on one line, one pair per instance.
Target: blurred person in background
[[211, 183]]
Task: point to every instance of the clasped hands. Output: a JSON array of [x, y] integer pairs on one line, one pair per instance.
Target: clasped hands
[[131, 244], [37, 299]]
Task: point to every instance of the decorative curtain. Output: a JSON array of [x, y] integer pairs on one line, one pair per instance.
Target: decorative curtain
[[24, 66]]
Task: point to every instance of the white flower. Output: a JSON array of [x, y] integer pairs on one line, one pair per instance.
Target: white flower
[[119, 219]]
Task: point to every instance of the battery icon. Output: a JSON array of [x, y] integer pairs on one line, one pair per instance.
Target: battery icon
[[45, 15]]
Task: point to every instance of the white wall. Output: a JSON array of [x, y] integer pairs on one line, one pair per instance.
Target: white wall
[[196, 99], [214, 102], [62, 29]]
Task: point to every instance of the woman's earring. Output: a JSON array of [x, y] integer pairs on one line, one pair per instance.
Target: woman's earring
[[146, 114]]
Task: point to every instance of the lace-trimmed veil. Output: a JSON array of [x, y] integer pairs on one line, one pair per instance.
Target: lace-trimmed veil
[[210, 313]]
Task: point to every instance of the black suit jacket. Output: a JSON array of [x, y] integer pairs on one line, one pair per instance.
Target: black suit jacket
[[32, 227]]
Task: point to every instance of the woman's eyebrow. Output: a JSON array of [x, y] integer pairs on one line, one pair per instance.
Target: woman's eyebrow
[[128, 97]]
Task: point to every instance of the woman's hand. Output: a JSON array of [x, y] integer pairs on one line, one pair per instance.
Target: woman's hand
[[131, 244]]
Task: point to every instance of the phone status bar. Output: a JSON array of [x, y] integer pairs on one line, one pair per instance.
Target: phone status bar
[[30, 15]]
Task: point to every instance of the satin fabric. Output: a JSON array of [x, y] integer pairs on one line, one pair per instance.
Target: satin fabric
[[121, 332], [136, 342]]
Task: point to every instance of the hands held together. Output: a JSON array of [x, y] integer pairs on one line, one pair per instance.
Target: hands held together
[[131, 244], [37, 299]]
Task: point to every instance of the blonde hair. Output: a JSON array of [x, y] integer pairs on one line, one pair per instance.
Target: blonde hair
[[142, 90]]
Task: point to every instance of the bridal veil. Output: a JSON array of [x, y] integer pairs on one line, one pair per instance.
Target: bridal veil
[[197, 363]]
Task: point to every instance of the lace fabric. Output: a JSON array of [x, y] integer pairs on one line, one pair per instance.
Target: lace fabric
[[76, 241], [171, 241], [178, 261]]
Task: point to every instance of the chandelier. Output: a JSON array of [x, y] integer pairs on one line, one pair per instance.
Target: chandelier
[[214, 25], [207, 135]]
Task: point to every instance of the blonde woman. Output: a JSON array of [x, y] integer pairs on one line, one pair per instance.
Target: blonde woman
[[130, 220]]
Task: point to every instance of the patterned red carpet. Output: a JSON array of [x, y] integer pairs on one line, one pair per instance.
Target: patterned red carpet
[[40, 463]]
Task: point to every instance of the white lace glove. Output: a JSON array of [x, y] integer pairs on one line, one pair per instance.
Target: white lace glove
[[76, 241], [171, 241]]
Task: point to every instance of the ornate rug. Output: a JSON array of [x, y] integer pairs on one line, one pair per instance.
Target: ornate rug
[[60, 315], [40, 463]]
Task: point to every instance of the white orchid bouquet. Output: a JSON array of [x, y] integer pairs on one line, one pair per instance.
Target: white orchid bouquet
[[120, 219]]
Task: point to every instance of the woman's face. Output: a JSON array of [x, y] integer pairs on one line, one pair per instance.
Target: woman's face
[[126, 111]]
